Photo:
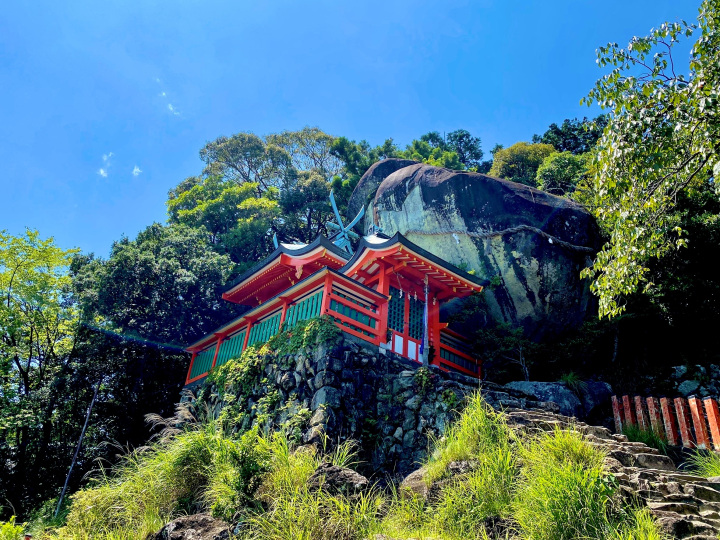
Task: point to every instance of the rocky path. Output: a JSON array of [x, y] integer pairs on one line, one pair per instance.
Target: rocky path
[[686, 506]]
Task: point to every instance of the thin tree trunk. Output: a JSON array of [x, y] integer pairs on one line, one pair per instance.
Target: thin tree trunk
[[77, 448]]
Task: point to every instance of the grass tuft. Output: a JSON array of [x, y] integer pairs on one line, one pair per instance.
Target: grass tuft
[[479, 429], [648, 436], [704, 463]]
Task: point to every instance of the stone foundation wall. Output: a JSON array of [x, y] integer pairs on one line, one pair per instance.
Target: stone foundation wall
[[342, 389]]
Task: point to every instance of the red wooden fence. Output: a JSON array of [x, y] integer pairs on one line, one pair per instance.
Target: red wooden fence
[[692, 422]]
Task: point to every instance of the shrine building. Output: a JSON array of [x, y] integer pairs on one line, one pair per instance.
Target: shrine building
[[388, 294]]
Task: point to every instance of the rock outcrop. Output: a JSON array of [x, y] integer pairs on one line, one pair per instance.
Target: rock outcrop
[[591, 398], [195, 527], [334, 480], [528, 244], [370, 182]]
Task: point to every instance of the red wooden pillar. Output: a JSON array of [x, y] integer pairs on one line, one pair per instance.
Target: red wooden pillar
[[713, 416], [217, 350], [327, 289], [283, 313], [642, 418], [192, 361], [671, 432], [654, 413], [683, 416], [629, 413], [434, 327], [617, 414], [698, 417], [383, 287], [247, 334]]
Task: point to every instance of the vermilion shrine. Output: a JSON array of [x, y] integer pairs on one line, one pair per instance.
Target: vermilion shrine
[[388, 294]]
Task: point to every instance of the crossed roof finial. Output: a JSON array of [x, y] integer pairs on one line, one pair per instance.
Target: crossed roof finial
[[345, 235]]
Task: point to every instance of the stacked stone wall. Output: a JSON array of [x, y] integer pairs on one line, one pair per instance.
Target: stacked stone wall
[[342, 390]]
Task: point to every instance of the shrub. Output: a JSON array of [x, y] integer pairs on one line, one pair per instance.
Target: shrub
[[564, 493], [10, 531], [199, 467], [574, 383], [295, 512]]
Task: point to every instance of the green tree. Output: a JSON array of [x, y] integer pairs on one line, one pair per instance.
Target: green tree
[[37, 325], [520, 162], [560, 172], [246, 158], [573, 135], [310, 149], [661, 141], [467, 148], [164, 286]]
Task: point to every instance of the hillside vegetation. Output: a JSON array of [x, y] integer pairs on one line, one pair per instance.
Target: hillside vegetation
[[552, 486]]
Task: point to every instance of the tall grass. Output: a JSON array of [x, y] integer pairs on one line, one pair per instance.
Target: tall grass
[[294, 511], [547, 487], [479, 430], [649, 437], [704, 463], [200, 467]]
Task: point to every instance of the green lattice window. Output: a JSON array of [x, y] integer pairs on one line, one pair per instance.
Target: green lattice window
[[230, 348], [351, 313], [417, 308], [396, 311], [307, 308], [203, 362], [264, 330]]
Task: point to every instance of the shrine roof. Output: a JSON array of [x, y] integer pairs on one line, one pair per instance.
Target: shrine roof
[[398, 247], [266, 278]]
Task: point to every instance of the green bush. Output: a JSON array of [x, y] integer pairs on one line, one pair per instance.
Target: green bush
[[486, 492], [10, 531], [199, 467]]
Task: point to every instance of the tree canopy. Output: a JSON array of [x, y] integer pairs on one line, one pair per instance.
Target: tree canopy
[[660, 142], [520, 162]]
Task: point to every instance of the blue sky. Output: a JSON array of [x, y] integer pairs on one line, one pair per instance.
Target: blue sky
[[105, 105]]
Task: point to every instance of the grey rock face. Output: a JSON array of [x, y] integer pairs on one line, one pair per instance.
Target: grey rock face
[[688, 387], [533, 245], [370, 181], [558, 393]]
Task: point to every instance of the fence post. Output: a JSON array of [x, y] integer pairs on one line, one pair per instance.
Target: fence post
[[617, 414], [713, 416], [641, 416], [654, 413], [698, 418], [629, 413], [668, 420], [683, 417]]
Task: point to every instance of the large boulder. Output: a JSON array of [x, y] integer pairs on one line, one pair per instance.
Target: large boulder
[[370, 182], [529, 245]]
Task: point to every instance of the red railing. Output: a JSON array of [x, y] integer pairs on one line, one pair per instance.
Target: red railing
[[452, 354], [692, 422]]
